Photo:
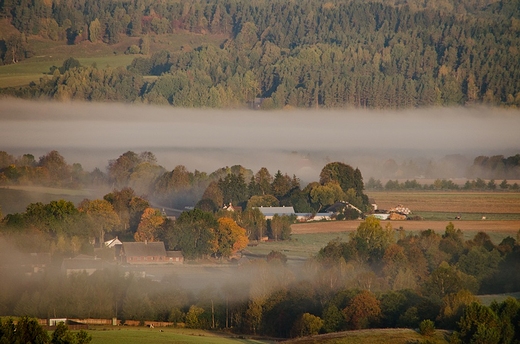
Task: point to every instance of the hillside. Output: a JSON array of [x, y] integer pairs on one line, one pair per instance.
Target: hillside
[[273, 54]]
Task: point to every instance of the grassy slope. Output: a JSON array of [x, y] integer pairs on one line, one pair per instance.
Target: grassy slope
[[132, 335], [16, 199], [374, 336], [48, 53]]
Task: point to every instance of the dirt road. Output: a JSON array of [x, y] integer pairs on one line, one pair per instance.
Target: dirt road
[[438, 226]]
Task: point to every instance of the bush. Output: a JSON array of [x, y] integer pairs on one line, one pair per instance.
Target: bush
[[133, 49], [427, 328]]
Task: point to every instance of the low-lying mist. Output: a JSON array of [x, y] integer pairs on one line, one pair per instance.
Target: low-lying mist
[[297, 142]]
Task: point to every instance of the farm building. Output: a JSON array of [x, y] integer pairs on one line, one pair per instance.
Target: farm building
[[144, 253], [175, 257], [269, 212], [82, 263], [149, 253]]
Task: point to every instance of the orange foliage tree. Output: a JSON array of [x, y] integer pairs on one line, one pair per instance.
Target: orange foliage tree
[[151, 221], [362, 310], [230, 236]]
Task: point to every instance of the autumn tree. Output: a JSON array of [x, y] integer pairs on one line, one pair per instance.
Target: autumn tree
[[230, 237], [101, 217], [371, 239], [306, 325], [53, 163], [362, 311], [453, 306], [128, 206], [151, 221]]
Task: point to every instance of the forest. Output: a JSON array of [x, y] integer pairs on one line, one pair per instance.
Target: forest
[[380, 277], [309, 54]]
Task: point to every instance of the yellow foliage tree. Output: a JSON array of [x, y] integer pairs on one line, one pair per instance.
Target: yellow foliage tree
[[230, 236], [151, 220]]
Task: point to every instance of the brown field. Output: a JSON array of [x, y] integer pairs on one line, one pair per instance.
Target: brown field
[[450, 201], [444, 202], [439, 226]]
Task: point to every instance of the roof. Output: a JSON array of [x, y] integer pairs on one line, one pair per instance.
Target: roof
[[174, 254], [267, 211], [144, 249], [82, 262], [113, 242]]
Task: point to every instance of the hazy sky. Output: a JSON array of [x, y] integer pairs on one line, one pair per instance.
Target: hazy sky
[[299, 141]]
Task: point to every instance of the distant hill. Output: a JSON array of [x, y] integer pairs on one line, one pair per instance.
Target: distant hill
[[378, 54]]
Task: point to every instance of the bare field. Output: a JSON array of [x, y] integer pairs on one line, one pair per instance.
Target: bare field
[[450, 201], [439, 226]]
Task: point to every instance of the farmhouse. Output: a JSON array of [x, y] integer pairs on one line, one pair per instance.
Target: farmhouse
[[82, 263], [144, 253], [149, 253]]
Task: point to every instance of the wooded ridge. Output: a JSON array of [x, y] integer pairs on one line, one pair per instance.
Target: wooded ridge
[[379, 54]]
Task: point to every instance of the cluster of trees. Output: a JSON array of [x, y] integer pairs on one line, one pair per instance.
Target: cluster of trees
[[306, 54], [64, 230], [379, 278], [496, 166], [28, 330], [179, 188], [441, 184]]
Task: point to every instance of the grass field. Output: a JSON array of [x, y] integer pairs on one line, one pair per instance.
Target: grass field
[[15, 199], [374, 336], [138, 335], [47, 53]]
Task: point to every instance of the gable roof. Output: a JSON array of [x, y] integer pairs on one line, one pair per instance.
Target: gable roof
[[144, 249], [113, 242], [82, 262], [269, 211]]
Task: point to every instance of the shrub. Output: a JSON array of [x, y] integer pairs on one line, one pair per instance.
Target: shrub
[[427, 328]]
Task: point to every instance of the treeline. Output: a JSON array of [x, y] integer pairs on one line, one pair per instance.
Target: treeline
[[64, 230], [179, 187], [375, 280], [496, 166], [141, 188], [28, 330], [442, 184], [299, 54]]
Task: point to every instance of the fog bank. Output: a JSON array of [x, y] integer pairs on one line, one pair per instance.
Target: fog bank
[[296, 142]]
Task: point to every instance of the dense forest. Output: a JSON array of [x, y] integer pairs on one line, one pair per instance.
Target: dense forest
[[377, 54]]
